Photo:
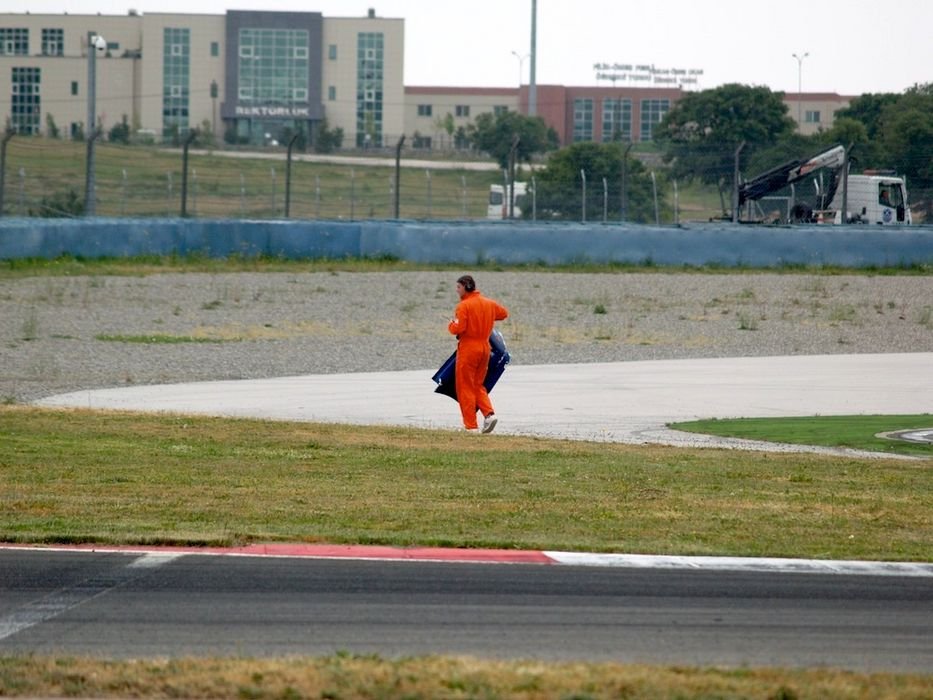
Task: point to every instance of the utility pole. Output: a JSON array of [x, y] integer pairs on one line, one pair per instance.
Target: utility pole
[[90, 130], [532, 77], [800, 88]]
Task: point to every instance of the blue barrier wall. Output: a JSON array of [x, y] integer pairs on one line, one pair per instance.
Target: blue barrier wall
[[473, 243]]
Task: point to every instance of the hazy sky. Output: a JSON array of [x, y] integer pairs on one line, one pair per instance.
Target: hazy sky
[[854, 46]]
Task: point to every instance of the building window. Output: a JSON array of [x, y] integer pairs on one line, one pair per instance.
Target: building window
[[25, 104], [617, 120], [499, 110], [370, 59], [812, 116], [14, 41], [463, 110], [176, 80], [74, 87], [652, 112], [331, 93], [215, 49], [332, 52], [424, 110], [420, 141], [300, 94], [53, 42], [273, 65], [582, 119]]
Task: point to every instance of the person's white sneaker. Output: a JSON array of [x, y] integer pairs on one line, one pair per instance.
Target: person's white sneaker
[[489, 423]]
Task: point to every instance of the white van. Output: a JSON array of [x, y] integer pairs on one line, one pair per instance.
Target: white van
[[498, 201]]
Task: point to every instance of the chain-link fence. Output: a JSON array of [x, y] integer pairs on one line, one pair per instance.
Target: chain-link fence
[[48, 178]]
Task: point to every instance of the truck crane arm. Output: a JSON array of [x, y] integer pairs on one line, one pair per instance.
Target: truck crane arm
[[789, 173]]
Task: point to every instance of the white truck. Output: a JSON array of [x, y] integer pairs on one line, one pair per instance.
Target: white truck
[[498, 206], [870, 198]]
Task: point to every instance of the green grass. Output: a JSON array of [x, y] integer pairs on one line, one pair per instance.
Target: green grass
[[145, 181], [856, 432], [370, 676], [67, 266], [81, 476], [157, 339]]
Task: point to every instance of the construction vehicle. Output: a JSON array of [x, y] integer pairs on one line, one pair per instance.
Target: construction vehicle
[[873, 197]]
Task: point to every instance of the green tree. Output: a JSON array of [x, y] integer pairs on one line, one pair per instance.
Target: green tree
[[120, 133], [495, 134], [560, 184], [907, 138], [700, 133], [867, 109], [327, 140], [446, 124], [51, 128]]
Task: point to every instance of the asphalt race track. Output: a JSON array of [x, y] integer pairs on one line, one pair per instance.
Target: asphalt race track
[[171, 604], [128, 605]]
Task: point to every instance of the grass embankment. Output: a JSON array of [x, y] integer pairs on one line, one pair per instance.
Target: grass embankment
[[346, 676], [81, 476], [146, 181]]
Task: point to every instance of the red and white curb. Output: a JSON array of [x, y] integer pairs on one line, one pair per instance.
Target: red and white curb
[[155, 556]]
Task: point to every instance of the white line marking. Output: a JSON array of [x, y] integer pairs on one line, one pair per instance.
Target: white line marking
[[802, 566], [58, 602]]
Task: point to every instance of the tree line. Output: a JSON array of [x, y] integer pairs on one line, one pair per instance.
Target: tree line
[[698, 138]]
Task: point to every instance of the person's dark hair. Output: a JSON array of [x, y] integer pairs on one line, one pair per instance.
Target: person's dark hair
[[468, 283]]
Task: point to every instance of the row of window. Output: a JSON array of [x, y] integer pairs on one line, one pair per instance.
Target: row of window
[[617, 118], [459, 110]]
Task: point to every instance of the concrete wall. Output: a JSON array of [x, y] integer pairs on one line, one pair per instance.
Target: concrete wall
[[470, 244]]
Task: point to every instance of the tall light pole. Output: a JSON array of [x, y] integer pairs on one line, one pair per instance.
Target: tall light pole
[[800, 88], [532, 72], [521, 64], [96, 44]]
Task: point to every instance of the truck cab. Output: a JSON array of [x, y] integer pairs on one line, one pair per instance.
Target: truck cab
[[874, 199]]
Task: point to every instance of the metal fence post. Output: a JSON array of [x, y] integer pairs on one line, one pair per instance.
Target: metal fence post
[[192, 135], [398, 163], [123, 195], [428, 175], [605, 200], [735, 184], [654, 188], [583, 215], [288, 174], [8, 134]]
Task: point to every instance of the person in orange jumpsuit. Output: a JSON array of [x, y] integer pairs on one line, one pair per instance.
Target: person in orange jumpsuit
[[472, 323]]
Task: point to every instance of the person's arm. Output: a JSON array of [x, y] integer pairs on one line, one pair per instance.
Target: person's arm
[[458, 324], [502, 313]]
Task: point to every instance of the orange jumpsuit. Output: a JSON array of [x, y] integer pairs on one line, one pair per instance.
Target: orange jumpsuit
[[473, 321]]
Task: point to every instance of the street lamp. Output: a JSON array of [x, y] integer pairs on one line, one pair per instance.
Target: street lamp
[[96, 46], [799, 87], [521, 63]]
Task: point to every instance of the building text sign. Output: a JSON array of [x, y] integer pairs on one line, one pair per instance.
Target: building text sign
[[273, 111], [647, 73]]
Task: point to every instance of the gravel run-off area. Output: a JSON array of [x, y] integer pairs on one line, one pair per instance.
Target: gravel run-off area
[[61, 334]]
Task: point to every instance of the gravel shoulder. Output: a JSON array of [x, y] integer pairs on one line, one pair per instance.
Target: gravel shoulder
[[61, 334]]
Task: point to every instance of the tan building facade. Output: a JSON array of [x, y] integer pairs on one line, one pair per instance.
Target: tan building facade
[[815, 111], [251, 77]]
